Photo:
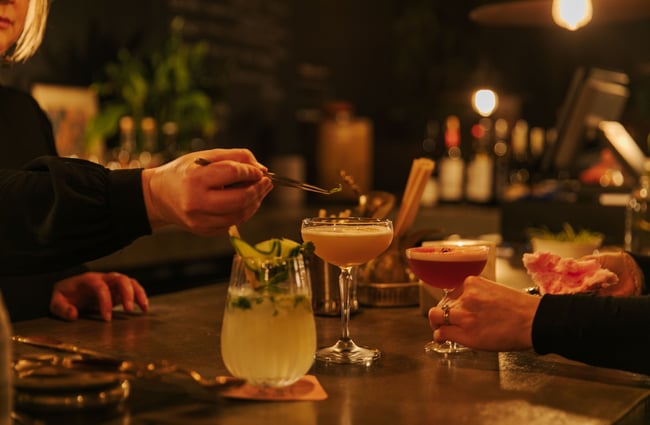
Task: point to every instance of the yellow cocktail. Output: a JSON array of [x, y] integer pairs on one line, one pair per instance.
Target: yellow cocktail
[[346, 245], [268, 335], [268, 340], [347, 242]]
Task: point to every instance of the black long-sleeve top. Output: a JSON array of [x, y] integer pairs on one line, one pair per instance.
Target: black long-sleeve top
[[55, 213], [612, 332]]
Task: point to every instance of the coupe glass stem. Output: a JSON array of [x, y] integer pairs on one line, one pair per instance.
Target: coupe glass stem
[[345, 283], [345, 350], [447, 347], [362, 239]]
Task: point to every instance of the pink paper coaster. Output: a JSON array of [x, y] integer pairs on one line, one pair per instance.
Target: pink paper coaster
[[306, 388]]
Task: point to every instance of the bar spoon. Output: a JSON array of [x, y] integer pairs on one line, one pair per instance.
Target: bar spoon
[[160, 368], [286, 181]]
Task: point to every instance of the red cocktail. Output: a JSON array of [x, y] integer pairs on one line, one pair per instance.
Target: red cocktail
[[446, 267]]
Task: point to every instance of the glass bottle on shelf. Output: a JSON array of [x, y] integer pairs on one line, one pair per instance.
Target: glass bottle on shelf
[[501, 159], [149, 156], [480, 169], [519, 166], [431, 146], [637, 220], [537, 144], [452, 165], [345, 144], [127, 141], [519, 146], [170, 141]]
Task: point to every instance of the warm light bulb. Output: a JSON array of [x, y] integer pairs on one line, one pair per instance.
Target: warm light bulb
[[484, 102], [572, 14]]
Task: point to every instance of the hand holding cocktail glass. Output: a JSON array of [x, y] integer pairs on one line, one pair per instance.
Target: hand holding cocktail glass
[[446, 267], [347, 242]]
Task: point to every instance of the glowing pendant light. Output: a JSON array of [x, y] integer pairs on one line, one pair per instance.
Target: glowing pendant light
[[485, 101], [572, 14]]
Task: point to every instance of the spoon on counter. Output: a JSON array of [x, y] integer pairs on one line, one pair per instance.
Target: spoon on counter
[[152, 370]]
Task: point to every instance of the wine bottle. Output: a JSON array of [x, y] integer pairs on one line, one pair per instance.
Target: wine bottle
[[452, 165]]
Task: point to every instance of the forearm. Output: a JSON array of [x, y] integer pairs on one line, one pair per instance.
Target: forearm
[[61, 212]]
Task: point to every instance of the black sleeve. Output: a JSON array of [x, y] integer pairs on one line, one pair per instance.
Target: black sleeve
[[612, 332], [644, 264], [60, 212]]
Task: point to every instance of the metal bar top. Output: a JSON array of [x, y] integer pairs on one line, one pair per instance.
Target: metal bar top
[[405, 387]]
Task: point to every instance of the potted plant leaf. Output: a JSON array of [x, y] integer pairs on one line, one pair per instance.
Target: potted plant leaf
[[165, 86]]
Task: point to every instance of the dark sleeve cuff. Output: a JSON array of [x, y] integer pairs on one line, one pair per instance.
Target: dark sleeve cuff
[[643, 261], [550, 322], [127, 203]]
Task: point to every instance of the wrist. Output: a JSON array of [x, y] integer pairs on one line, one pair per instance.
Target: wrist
[[148, 191]]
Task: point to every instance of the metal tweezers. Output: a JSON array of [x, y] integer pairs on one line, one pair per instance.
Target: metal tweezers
[[286, 181]]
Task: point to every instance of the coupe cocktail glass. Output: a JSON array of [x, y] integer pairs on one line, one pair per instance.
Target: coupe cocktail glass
[[446, 268], [346, 243], [268, 335]]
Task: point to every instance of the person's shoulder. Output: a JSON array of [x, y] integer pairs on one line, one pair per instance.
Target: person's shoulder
[[15, 97]]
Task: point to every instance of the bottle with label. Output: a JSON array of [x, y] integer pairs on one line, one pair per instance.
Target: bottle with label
[[637, 220], [501, 159], [480, 169], [537, 140], [6, 374], [127, 141], [452, 166], [170, 141], [149, 142], [431, 147], [519, 173], [519, 184]]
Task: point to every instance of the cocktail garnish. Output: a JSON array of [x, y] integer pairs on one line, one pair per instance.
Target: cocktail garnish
[[264, 251]]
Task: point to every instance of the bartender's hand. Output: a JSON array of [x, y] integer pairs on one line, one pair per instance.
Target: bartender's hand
[[630, 277], [96, 292], [485, 315], [205, 199]]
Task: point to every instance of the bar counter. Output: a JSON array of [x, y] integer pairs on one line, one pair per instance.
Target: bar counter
[[406, 386]]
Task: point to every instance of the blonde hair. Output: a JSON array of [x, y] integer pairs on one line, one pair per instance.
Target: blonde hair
[[32, 36]]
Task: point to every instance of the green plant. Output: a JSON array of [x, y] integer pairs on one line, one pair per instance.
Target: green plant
[[567, 234], [164, 86]]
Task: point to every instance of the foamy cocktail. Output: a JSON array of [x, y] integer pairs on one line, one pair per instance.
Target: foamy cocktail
[[446, 267], [348, 245], [347, 242]]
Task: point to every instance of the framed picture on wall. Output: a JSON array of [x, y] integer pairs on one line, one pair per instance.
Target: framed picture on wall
[[70, 109]]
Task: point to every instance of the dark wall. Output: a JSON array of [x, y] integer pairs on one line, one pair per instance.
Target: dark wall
[[400, 62], [82, 36]]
